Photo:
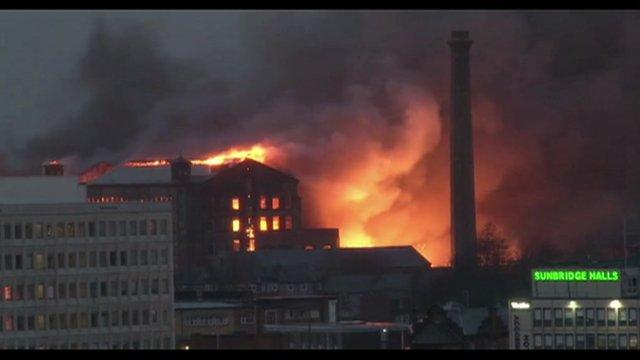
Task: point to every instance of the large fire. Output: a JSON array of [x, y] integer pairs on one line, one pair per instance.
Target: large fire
[[257, 152]]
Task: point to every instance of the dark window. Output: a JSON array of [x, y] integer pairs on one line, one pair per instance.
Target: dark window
[[82, 232], [579, 318], [113, 258], [18, 262], [103, 289], [93, 259], [122, 228], [102, 228], [92, 229], [591, 341], [611, 317], [133, 228], [547, 317], [7, 231], [580, 341], [600, 316], [143, 227], [163, 227], [590, 317], [103, 258], [558, 317], [112, 228], [123, 258], [623, 316], [612, 342], [633, 318], [602, 341], [61, 260], [28, 231], [17, 231]]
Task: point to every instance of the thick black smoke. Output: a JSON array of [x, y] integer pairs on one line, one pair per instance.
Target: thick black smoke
[[555, 106]]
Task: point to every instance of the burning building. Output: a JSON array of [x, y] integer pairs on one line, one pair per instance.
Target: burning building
[[219, 207]]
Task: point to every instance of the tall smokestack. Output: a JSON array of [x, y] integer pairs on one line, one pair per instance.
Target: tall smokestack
[[463, 208]]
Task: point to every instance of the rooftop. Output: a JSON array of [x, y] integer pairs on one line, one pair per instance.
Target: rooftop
[[41, 190]]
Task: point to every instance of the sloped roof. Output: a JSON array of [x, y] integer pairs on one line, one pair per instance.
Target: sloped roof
[[251, 168]]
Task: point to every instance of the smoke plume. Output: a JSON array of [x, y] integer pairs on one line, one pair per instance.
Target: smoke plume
[[357, 104]]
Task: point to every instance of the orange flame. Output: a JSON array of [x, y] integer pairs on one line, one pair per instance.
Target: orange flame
[[256, 152]]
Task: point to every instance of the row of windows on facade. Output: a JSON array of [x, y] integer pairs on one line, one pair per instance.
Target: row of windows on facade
[[585, 341], [275, 203], [264, 223], [114, 199], [157, 343], [84, 320], [83, 259], [84, 290], [559, 317], [40, 230], [305, 340]]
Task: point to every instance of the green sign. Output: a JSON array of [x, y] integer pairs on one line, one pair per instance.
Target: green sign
[[576, 275]]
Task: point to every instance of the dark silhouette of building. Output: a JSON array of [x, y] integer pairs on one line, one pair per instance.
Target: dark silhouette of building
[[245, 206], [52, 168], [463, 212]]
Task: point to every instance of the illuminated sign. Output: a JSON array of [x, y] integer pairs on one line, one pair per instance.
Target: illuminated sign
[[206, 321], [576, 275], [519, 305]]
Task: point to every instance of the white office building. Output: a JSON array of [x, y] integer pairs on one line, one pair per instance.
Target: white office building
[[577, 308], [77, 275]]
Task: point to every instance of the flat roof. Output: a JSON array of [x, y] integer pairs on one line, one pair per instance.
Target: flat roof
[[123, 174], [192, 305], [41, 190], [342, 327], [82, 208]]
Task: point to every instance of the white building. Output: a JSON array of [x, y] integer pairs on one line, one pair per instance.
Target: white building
[[577, 308], [80, 275]]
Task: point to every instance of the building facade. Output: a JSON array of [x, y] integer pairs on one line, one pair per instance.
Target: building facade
[[577, 308], [85, 276]]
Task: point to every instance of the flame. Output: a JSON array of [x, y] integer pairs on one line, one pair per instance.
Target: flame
[[256, 152]]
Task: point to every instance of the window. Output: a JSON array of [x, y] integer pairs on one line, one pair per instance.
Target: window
[[144, 259], [124, 288], [82, 290], [263, 223], [235, 203], [591, 341], [270, 317], [275, 203], [579, 317], [40, 322], [547, 317], [93, 289], [622, 343], [112, 228], [73, 290], [602, 341], [143, 227], [83, 322], [559, 341], [164, 256], [82, 259], [114, 288], [7, 231], [7, 293], [155, 287], [71, 230], [92, 229], [51, 291], [633, 318], [275, 223], [94, 319], [113, 258], [252, 245], [8, 322], [48, 231], [165, 286], [600, 316], [104, 319], [59, 230], [61, 260], [82, 230], [164, 227], [20, 323], [134, 318], [537, 341], [51, 261], [103, 259], [37, 230], [145, 286], [31, 292], [153, 227], [134, 257], [590, 317], [40, 291], [122, 228], [622, 316], [18, 262], [62, 321], [611, 317], [8, 262], [17, 231], [154, 257], [145, 317], [62, 293], [53, 321], [133, 228], [102, 228], [28, 231], [288, 222], [115, 317], [19, 293], [134, 287], [633, 341], [235, 225], [612, 342], [263, 202], [558, 317], [236, 245], [31, 322], [580, 341], [125, 318]]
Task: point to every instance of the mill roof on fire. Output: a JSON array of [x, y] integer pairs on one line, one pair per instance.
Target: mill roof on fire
[[161, 174]]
